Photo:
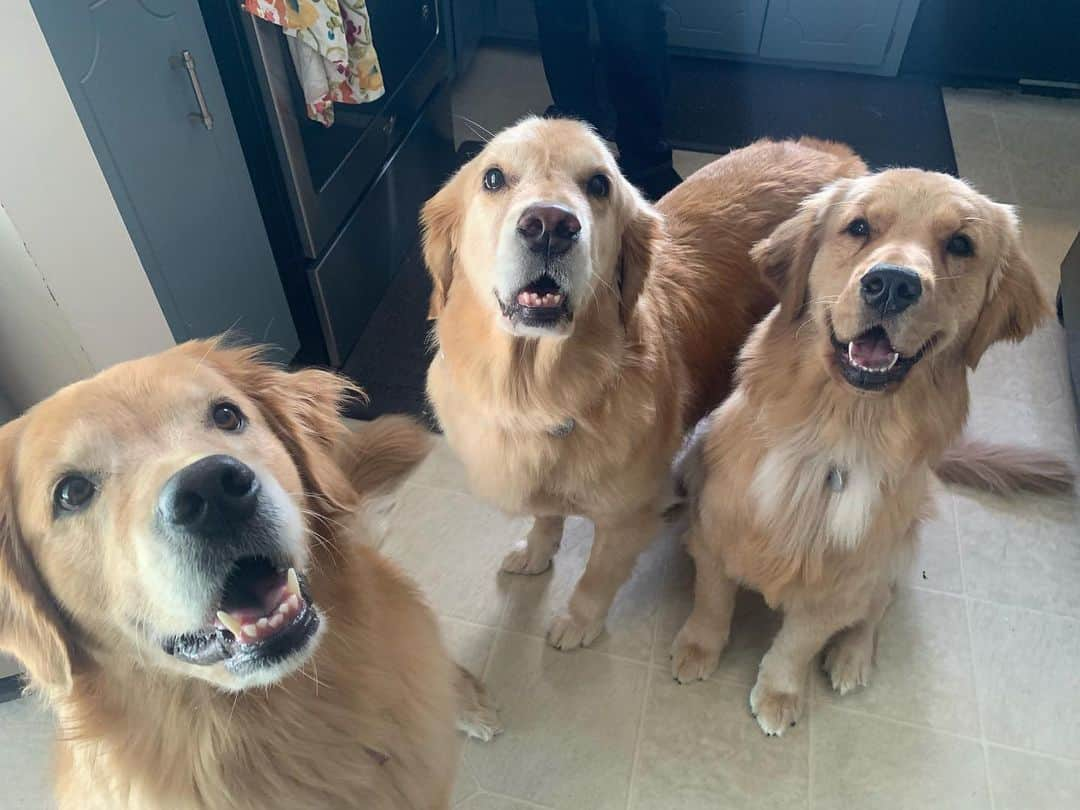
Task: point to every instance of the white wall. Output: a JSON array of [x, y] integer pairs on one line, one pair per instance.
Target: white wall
[[63, 226], [39, 350]]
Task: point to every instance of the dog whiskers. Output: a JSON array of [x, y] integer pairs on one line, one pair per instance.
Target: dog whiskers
[[478, 129]]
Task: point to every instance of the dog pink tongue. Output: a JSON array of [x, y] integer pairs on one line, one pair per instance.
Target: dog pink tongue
[[872, 350]]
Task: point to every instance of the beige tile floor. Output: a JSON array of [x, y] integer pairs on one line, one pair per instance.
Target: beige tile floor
[[976, 696]]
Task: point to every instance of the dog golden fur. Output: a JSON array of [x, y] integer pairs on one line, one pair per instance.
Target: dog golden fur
[[819, 467], [148, 517], [581, 330]]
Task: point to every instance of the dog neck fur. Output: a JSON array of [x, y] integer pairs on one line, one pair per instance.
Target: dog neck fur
[[810, 423], [153, 740], [529, 379]]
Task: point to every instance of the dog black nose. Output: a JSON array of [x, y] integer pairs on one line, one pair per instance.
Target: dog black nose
[[890, 289], [211, 496], [549, 228]]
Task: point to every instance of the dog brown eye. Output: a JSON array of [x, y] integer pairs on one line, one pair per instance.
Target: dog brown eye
[[959, 245], [598, 186], [73, 493], [859, 227], [494, 179], [227, 416]]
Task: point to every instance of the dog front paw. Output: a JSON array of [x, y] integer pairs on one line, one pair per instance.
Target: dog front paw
[[569, 633], [693, 657], [477, 715], [524, 560], [849, 662], [775, 711], [480, 722]]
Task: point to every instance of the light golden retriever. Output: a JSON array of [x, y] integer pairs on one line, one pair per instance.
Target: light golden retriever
[[178, 576], [581, 330], [852, 393]]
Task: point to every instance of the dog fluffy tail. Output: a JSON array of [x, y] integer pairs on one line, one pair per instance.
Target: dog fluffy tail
[[1005, 470], [853, 165], [377, 456], [687, 475]]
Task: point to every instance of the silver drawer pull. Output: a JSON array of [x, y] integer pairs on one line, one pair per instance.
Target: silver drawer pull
[[204, 112]]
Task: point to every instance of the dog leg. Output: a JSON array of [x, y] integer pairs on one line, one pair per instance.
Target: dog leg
[[533, 555], [778, 697], [695, 653], [851, 655], [478, 716], [614, 552]]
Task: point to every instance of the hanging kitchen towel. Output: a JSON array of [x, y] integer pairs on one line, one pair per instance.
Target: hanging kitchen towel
[[331, 47]]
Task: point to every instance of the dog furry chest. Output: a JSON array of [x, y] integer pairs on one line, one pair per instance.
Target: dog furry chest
[[834, 491], [798, 508], [572, 459]]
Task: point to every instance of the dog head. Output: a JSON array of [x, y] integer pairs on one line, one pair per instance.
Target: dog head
[[539, 224], [161, 513], [898, 268]]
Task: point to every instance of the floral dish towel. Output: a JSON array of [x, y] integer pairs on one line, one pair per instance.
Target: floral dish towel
[[331, 47]]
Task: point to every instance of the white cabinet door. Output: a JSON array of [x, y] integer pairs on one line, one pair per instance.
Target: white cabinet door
[[732, 26], [846, 32]]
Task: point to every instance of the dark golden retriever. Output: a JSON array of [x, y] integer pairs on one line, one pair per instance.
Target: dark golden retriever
[[182, 576]]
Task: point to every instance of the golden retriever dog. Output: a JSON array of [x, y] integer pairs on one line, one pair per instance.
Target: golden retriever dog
[[178, 577], [851, 398], [580, 330]]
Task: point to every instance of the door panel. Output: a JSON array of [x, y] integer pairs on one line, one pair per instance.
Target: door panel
[[731, 25], [182, 189], [849, 32]]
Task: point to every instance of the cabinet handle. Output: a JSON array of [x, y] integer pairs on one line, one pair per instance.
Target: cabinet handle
[[204, 112]]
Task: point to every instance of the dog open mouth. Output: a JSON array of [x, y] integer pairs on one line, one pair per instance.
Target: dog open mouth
[[870, 362], [540, 303], [263, 618]]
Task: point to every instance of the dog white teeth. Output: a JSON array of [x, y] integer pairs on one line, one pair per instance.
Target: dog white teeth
[[292, 583], [277, 620], [892, 361], [229, 623], [251, 631], [283, 608], [294, 602], [851, 354]]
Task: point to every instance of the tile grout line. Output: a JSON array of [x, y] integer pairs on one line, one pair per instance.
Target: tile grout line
[[643, 710], [468, 622], [1032, 753], [971, 653], [586, 651], [978, 600], [813, 708], [510, 797], [905, 723], [845, 709]]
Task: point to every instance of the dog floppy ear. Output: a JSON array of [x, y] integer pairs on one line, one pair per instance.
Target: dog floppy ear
[[785, 256], [640, 236], [440, 221], [303, 408], [1014, 305], [30, 625]]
